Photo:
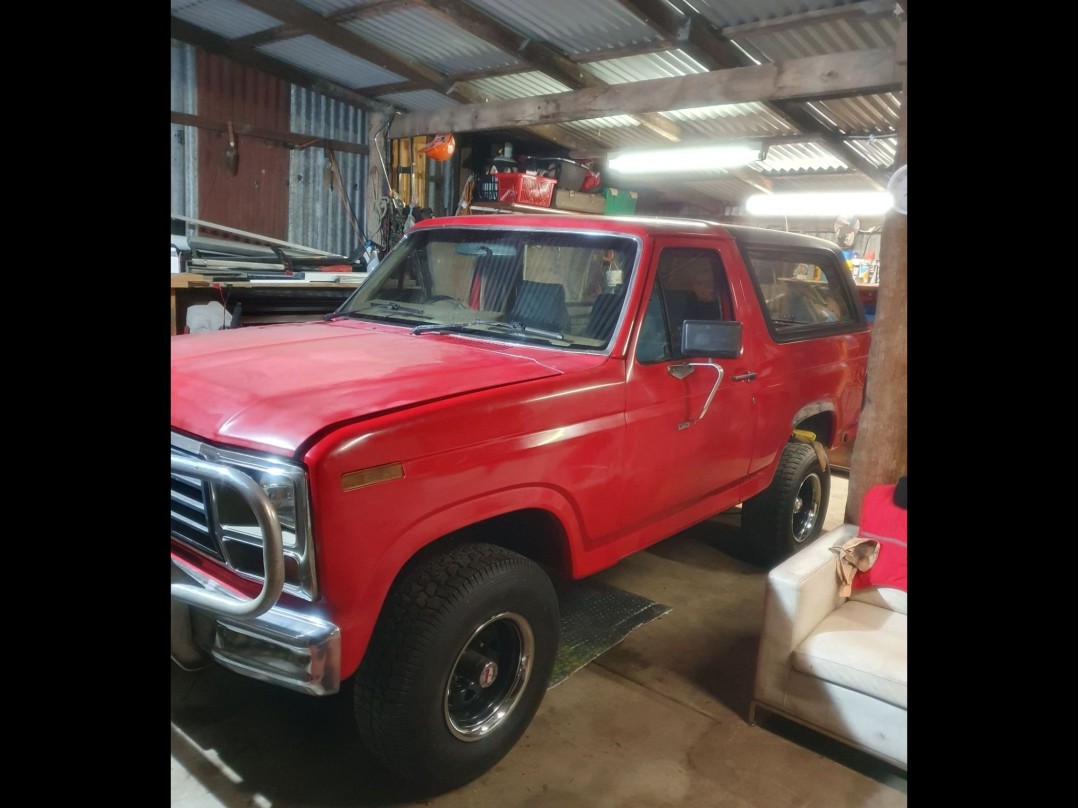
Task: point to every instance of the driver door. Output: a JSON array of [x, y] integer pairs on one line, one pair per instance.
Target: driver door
[[675, 457]]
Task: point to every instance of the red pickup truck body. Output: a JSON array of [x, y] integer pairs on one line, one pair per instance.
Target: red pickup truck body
[[414, 421]]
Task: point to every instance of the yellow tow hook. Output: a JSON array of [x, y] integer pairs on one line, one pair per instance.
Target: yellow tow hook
[[804, 436]]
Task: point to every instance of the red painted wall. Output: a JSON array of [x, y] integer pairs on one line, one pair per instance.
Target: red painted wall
[[256, 198]]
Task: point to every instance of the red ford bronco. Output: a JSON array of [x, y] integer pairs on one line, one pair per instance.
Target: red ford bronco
[[382, 499]]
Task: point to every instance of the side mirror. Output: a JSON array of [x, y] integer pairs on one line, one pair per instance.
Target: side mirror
[[718, 339]]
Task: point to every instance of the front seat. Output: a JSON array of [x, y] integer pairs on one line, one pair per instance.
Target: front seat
[[604, 313], [541, 305]]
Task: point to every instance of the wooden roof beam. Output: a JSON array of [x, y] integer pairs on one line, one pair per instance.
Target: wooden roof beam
[[536, 54], [298, 15], [691, 32], [712, 47], [849, 73]]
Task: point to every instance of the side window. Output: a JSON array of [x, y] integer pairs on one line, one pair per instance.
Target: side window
[[801, 291], [690, 284]]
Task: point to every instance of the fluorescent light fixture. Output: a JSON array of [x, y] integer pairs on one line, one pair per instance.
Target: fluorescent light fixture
[[699, 158], [865, 203]]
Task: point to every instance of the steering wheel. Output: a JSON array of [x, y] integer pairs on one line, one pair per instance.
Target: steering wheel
[[438, 298]]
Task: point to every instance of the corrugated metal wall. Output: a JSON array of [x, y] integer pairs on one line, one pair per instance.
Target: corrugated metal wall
[[288, 194], [323, 212], [184, 142], [255, 197]]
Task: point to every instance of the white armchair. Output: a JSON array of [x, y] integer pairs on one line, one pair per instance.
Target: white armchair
[[834, 664]]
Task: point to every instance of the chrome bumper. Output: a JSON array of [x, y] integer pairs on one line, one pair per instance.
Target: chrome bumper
[[280, 646], [256, 637]]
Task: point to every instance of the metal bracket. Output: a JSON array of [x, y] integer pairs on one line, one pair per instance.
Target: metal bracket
[[683, 370]]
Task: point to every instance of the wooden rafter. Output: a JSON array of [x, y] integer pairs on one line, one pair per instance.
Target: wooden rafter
[[292, 140], [836, 75], [712, 47], [299, 20]]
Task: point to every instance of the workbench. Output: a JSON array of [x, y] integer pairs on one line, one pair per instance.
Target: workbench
[[263, 302]]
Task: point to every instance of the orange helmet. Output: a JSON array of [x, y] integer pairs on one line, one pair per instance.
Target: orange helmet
[[441, 147]]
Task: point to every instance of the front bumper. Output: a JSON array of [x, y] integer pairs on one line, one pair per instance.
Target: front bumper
[[256, 637], [281, 646]]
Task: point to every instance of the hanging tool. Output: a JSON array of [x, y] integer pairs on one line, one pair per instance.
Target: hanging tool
[[232, 152]]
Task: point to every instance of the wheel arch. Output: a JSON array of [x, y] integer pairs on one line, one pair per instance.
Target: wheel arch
[[820, 418], [536, 522]]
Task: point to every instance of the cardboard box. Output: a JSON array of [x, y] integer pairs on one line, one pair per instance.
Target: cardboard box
[[578, 201], [619, 202]]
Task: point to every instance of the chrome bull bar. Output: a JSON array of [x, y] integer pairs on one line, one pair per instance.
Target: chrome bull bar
[[272, 544]]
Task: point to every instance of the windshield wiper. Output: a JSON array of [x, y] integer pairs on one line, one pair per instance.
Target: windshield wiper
[[357, 312], [511, 326], [453, 327]]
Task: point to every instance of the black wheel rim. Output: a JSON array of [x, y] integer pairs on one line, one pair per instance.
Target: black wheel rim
[[489, 676], [806, 511]]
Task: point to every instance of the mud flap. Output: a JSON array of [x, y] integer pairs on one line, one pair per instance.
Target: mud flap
[[804, 436]]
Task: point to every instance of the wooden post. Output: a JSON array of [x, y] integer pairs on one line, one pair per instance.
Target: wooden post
[[879, 452], [376, 178], [419, 173]]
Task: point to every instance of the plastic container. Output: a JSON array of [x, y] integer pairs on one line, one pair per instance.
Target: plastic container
[[486, 188], [619, 202], [525, 189]]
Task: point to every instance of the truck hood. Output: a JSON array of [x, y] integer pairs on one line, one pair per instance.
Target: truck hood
[[272, 388]]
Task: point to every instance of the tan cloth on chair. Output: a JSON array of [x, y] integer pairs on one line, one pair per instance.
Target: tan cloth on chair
[[856, 555]]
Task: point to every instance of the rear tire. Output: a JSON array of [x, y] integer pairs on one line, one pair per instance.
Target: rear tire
[[789, 513], [458, 664]]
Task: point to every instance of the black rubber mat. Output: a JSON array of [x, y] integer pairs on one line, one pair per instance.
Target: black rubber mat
[[594, 618]]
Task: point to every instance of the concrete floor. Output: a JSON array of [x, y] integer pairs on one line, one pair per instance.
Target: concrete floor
[[658, 721]]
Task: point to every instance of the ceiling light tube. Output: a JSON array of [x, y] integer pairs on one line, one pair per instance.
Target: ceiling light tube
[[699, 158], [863, 203]]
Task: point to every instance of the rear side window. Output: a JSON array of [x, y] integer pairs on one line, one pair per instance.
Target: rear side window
[[803, 293]]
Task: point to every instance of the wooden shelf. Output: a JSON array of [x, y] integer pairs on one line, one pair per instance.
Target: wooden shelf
[[263, 302]]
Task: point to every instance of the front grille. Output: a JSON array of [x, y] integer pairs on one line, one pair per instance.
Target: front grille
[[219, 501], [191, 518]]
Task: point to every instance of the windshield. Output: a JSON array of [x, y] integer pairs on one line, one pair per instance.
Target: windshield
[[561, 288]]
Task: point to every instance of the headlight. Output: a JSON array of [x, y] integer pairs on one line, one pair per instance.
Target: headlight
[[281, 487], [281, 491], [237, 528]]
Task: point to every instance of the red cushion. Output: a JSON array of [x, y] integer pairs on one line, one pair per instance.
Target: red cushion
[[884, 521]]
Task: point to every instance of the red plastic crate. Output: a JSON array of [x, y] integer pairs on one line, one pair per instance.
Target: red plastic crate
[[526, 189]]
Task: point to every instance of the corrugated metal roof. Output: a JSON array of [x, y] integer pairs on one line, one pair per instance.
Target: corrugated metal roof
[[726, 13], [419, 100], [644, 66], [424, 36], [866, 114], [880, 151], [323, 59], [827, 183], [784, 158], [572, 26], [328, 7], [225, 18], [606, 39], [614, 132], [718, 187], [729, 120], [817, 39], [517, 85]]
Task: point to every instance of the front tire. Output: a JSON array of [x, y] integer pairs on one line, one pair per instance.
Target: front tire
[[789, 513], [457, 666]]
